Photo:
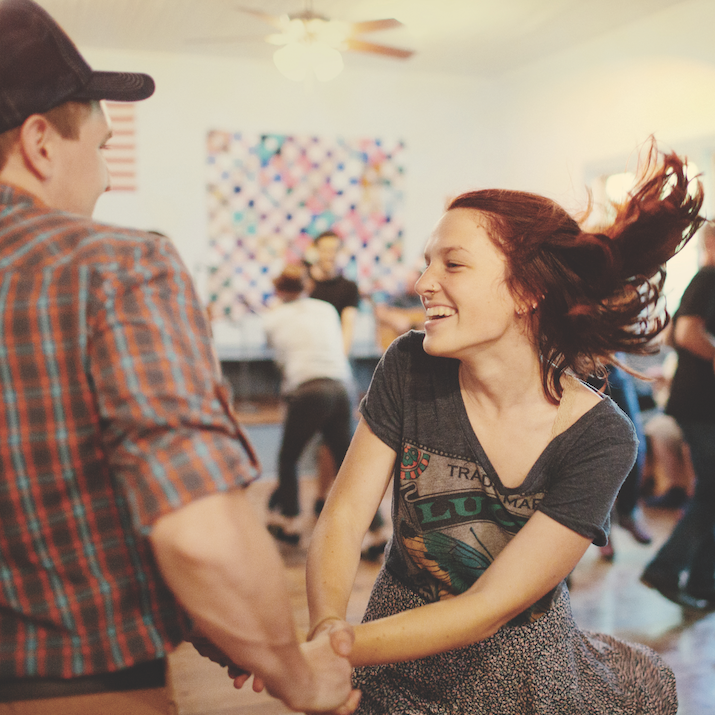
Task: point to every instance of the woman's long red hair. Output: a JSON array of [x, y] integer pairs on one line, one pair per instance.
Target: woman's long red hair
[[598, 293]]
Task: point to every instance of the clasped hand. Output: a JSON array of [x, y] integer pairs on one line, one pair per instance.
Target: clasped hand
[[327, 655]]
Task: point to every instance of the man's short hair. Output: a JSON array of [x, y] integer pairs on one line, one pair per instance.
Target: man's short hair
[[7, 141], [67, 119], [326, 234]]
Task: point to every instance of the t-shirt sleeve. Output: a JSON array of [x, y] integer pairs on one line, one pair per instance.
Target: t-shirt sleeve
[[698, 296], [352, 295], [584, 478], [383, 406]]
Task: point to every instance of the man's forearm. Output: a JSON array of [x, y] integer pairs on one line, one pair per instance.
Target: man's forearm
[[223, 567]]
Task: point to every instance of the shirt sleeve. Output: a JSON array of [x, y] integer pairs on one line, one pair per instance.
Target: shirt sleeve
[[352, 295], [166, 421], [587, 471], [383, 404]]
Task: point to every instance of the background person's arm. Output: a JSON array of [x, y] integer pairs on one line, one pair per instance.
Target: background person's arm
[[347, 324], [223, 567], [690, 334]]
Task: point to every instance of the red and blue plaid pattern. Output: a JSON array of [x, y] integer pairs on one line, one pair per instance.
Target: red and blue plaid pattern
[[113, 414]]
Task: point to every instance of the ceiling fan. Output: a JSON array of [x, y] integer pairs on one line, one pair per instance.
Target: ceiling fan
[[310, 41], [337, 33]]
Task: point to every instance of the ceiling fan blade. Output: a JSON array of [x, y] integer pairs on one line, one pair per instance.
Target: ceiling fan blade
[[358, 28], [223, 40], [360, 46], [279, 22]]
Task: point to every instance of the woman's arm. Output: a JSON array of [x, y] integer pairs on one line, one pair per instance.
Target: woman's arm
[[542, 554], [354, 498]]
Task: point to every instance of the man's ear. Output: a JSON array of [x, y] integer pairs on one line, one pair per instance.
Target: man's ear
[[37, 137]]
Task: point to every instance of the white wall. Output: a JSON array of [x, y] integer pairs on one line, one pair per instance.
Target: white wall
[[603, 99], [550, 127], [437, 117], [586, 112]]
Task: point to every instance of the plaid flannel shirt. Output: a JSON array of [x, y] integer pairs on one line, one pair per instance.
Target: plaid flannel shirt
[[114, 414]]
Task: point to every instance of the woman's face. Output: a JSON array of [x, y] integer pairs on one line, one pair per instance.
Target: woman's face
[[469, 306]]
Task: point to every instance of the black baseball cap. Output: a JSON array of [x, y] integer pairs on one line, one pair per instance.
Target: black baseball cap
[[41, 68]]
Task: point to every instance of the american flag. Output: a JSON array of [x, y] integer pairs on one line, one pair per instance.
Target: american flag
[[121, 149]]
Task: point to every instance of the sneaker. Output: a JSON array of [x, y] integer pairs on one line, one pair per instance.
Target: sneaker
[[669, 588], [635, 529], [284, 528], [702, 593]]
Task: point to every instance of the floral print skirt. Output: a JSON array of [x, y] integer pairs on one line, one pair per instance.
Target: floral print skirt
[[548, 667]]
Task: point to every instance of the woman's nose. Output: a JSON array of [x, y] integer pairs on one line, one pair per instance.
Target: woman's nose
[[424, 283]]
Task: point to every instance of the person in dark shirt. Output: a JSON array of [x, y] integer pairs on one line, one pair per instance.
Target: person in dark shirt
[[690, 549], [332, 286]]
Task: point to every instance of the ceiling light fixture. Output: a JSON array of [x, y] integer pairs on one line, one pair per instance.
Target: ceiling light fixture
[[310, 45]]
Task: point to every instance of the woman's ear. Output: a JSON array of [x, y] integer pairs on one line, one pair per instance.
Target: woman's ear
[[36, 146]]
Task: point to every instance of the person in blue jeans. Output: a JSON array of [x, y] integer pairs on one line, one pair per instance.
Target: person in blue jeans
[[683, 570]]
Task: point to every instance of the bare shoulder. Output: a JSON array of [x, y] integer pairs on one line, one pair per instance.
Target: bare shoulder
[[578, 398]]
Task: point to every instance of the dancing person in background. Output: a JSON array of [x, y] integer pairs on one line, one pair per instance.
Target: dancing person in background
[[505, 464], [330, 285], [122, 465], [326, 282], [307, 338], [690, 549]]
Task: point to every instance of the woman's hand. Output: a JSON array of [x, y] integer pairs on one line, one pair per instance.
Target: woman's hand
[[322, 626]]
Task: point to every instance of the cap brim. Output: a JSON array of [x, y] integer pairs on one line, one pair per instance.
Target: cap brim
[[117, 86]]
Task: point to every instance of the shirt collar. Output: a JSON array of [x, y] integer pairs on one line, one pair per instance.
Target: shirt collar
[[11, 194]]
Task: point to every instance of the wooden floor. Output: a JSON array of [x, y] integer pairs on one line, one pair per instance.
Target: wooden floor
[[606, 597]]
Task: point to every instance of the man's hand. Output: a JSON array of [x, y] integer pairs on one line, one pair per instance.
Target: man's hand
[[327, 654], [330, 689]]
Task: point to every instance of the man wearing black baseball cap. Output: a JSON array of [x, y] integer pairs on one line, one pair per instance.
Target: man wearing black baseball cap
[[122, 467]]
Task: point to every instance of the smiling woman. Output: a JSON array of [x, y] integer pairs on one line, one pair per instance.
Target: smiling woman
[[505, 463], [464, 288]]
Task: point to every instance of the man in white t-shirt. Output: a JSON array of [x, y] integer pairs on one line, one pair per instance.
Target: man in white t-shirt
[[307, 338]]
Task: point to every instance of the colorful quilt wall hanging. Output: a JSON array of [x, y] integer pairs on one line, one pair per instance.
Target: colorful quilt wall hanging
[[269, 195]]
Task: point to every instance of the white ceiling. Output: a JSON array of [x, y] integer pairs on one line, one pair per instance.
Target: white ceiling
[[480, 38]]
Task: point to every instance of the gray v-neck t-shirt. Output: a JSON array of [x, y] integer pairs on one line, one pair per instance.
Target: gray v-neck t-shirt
[[451, 513]]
